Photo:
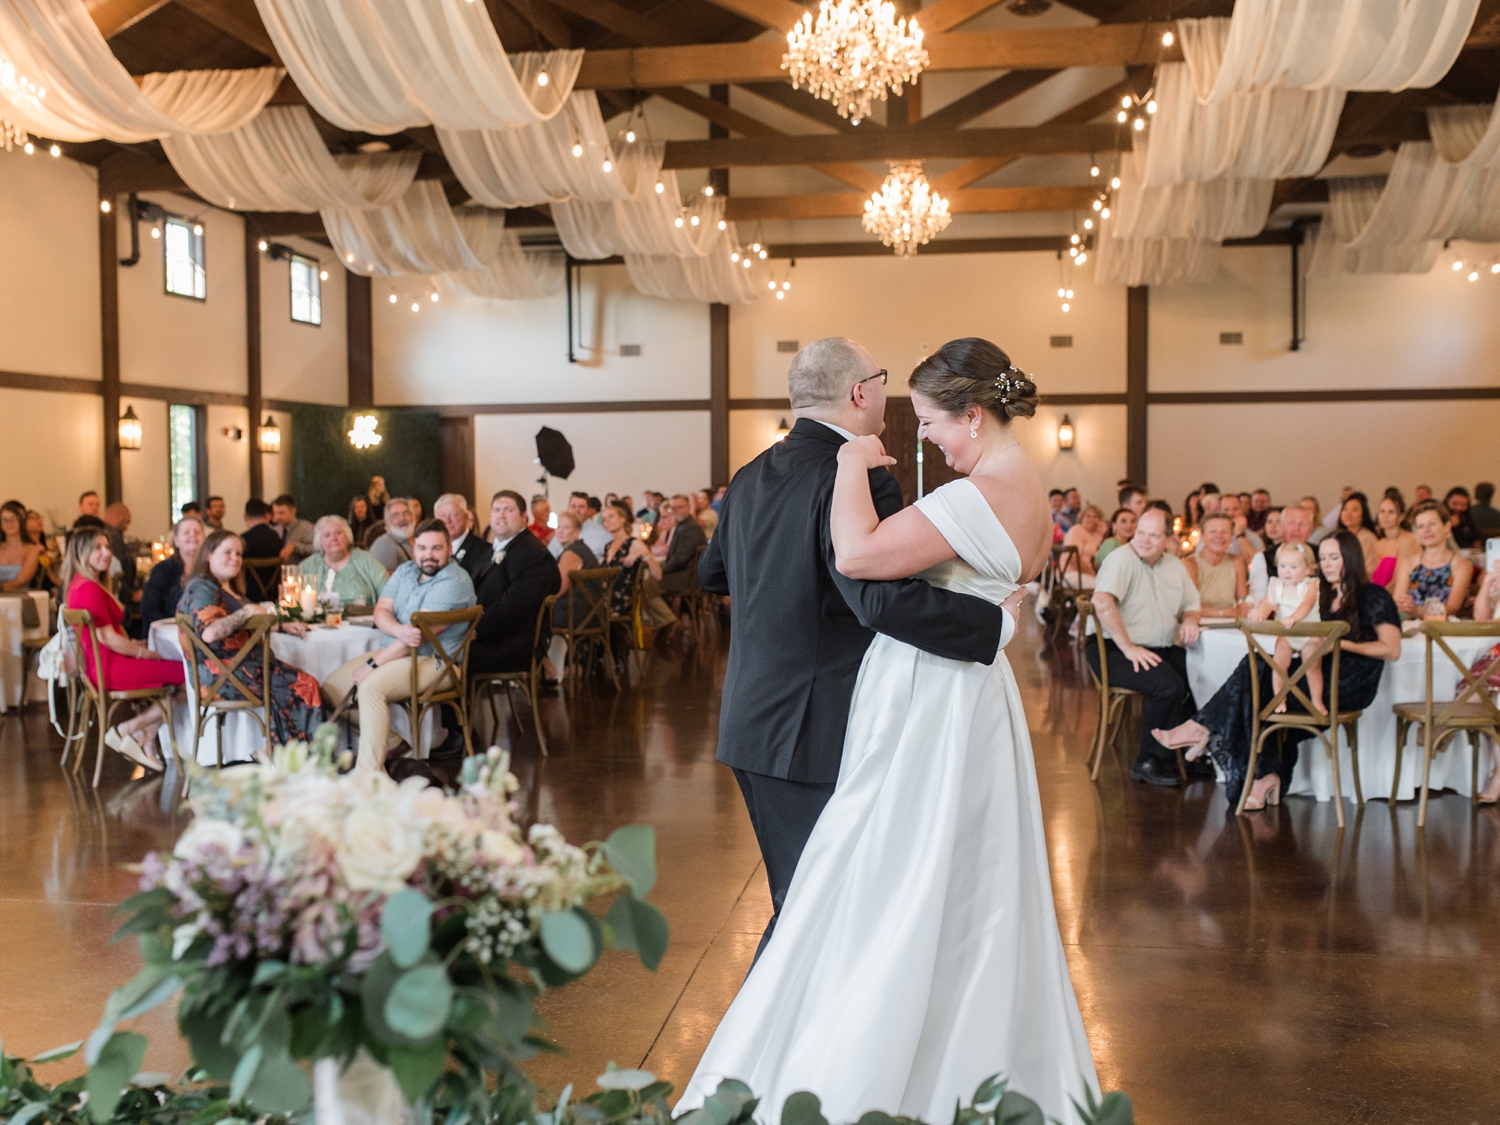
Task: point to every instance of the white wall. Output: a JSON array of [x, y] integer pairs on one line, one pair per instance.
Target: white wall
[[145, 473], [624, 453], [171, 341], [303, 362], [1096, 462], [229, 460], [54, 449]]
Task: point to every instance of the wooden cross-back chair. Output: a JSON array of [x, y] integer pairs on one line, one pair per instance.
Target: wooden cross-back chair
[[1472, 709], [210, 701], [451, 685], [1265, 720], [1062, 598], [100, 702], [587, 617], [527, 681], [262, 578], [702, 605], [1112, 699]]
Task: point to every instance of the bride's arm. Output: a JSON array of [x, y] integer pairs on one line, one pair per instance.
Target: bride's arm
[[866, 546]]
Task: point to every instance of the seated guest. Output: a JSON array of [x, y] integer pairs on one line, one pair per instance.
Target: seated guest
[[1087, 535], [522, 575], [719, 494], [1144, 595], [1192, 512], [575, 555], [377, 497], [637, 565], [128, 665], [430, 582], [683, 541], [469, 550], [1221, 727], [164, 586], [192, 508], [652, 501], [214, 511], [1209, 501], [117, 519], [1219, 576], [343, 568], [1355, 518], [48, 556], [1121, 528], [1134, 497], [416, 508], [297, 538], [1314, 510], [19, 557], [261, 542], [1057, 500], [1393, 542], [1487, 608], [215, 600], [705, 514], [585, 510], [1242, 541], [1484, 515], [394, 546], [1293, 526], [1465, 532], [90, 505], [1421, 493], [1438, 575], [360, 518], [1072, 504], [541, 516], [1260, 504]]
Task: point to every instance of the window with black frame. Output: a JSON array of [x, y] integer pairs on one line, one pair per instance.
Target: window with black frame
[[183, 246], [307, 290]]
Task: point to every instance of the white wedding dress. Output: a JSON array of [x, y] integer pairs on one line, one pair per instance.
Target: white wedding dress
[[918, 952]]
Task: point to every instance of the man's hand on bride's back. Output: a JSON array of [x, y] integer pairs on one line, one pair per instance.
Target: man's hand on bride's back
[[866, 452]]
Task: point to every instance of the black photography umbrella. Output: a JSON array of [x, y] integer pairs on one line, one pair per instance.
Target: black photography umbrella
[[553, 453]]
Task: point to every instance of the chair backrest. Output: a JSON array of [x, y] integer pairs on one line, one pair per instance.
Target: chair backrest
[[1474, 687], [195, 648], [1068, 558], [1329, 635], [693, 588], [81, 621], [454, 670], [262, 577], [1087, 613], [590, 592]]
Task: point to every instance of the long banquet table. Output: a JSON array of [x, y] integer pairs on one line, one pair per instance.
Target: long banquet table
[[12, 653], [319, 653], [1219, 650]]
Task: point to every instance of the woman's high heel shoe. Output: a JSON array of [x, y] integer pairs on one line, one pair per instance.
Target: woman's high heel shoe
[[1272, 795]]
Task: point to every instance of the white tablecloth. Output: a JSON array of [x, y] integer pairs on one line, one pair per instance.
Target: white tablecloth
[[319, 653], [12, 660], [1214, 658]]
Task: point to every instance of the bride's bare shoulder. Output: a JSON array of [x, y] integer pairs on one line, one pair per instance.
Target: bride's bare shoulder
[[1015, 494]]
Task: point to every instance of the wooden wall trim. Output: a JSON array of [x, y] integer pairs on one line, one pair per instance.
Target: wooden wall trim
[[360, 341], [252, 357], [57, 384], [63, 384], [1137, 381], [628, 406], [109, 339], [1378, 394]]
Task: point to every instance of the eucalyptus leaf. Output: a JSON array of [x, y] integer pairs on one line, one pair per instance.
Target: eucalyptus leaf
[[405, 924], [418, 1004], [57, 1054], [279, 1086], [118, 1059], [615, 1079], [417, 1069], [244, 1073], [632, 852], [1116, 1109], [568, 941], [1017, 1109], [803, 1108], [637, 925], [28, 1112], [163, 991]]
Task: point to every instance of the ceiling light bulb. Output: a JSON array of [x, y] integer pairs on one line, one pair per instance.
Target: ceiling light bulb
[[1072, 251], [1070, 294], [770, 285], [735, 257], [1081, 259], [198, 229], [746, 263], [1104, 214], [434, 297], [780, 296], [1094, 170], [723, 225], [609, 166], [577, 148], [630, 136], [541, 78], [415, 307], [1458, 265], [1167, 39], [694, 220], [787, 285], [1474, 276], [1140, 123], [1114, 181], [1098, 204], [1074, 240], [348, 257], [1088, 224], [660, 187], [1125, 102], [28, 148], [1060, 292], [393, 298], [105, 206], [55, 150], [1065, 306], [708, 189], [679, 220], [1151, 106], [1495, 268], [762, 255], [755, 246], [1122, 117]]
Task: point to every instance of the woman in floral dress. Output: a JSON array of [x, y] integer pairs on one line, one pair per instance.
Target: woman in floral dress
[[214, 599]]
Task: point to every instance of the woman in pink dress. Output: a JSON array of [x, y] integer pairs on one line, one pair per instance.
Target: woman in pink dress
[[127, 664]]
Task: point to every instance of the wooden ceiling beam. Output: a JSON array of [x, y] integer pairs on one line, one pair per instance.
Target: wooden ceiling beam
[[113, 16], [893, 144], [545, 19], [238, 19], [840, 205], [616, 17], [871, 249], [806, 105], [779, 15], [945, 15], [1011, 84]]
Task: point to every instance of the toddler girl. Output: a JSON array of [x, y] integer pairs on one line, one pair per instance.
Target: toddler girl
[[1292, 598]]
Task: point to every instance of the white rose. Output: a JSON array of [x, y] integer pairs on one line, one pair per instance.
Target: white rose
[[206, 833], [500, 848], [379, 850]]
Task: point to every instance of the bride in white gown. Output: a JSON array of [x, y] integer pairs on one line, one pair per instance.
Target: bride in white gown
[[918, 952]]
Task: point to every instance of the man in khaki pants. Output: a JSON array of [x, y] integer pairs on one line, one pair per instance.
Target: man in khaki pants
[[429, 583]]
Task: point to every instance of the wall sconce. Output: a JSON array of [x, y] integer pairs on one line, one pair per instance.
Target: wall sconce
[[363, 436], [1065, 434], [782, 430], [233, 433], [268, 440], [130, 429]]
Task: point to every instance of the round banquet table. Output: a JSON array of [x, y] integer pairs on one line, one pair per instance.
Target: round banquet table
[[319, 653], [1219, 650], [12, 633]]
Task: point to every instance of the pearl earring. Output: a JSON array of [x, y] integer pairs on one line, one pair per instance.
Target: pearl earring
[[973, 431]]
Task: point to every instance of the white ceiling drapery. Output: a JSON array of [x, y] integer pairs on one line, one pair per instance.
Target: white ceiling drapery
[[1466, 134], [419, 233], [1153, 261], [380, 66], [535, 163], [1315, 44], [712, 278], [278, 162], [516, 274], [1352, 201], [58, 79], [650, 222], [1197, 210], [1426, 199]]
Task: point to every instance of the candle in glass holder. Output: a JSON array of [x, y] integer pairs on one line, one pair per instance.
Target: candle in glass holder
[[309, 600]]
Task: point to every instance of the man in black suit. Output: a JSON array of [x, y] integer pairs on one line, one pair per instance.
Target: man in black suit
[[469, 551], [800, 627], [682, 548], [519, 576], [261, 542]]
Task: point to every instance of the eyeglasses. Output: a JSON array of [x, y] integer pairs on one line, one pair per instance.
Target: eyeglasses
[[882, 375]]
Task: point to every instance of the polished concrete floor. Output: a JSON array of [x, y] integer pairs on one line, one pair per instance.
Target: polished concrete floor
[[1268, 969]]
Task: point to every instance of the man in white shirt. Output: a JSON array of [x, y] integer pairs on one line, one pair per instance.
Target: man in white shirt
[[469, 551], [1296, 526]]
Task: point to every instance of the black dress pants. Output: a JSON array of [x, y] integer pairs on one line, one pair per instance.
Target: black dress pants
[[783, 814], [1166, 699]]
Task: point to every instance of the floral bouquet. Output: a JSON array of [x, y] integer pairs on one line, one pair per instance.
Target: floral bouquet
[[389, 939]]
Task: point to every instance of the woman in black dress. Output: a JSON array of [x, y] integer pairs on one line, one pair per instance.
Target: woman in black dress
[[1222, 727], [164, 586]]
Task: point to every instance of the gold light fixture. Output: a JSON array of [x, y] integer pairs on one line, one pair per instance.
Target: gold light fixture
[[782, 430], [130, 429], [1065, 433], [363, 435], [906, 213], [855, 53], [268, 438]]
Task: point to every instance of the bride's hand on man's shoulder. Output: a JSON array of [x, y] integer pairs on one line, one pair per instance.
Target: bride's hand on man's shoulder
[[866, 452]]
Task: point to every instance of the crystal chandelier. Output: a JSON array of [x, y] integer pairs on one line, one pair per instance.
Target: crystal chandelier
[[906, 213], [854, 52]]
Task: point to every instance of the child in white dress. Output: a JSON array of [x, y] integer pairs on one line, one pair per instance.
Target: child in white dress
[[1292, 598]]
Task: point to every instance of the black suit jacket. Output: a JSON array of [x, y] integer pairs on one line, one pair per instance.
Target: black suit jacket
[[800, 627], [686, 539], [262, 542], [474, 555], [512, 592]]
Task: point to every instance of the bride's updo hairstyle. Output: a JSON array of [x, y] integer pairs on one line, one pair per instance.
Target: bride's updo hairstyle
[[973, 372]]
